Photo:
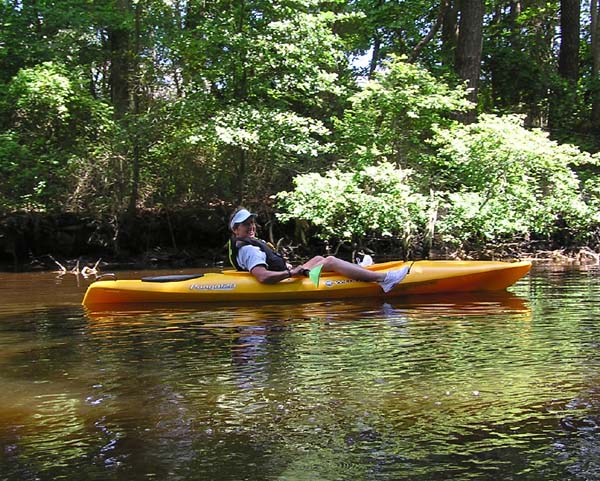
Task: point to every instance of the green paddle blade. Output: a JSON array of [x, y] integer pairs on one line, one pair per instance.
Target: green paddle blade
[[315, 274]]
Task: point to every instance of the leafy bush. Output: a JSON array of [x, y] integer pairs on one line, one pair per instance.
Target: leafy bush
[[391, 118], [262, 145], [499, 181], [50, 124], [379, 200]]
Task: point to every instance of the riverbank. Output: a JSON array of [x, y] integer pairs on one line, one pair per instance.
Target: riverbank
[[172, 260], [35, 241], [196, 238]]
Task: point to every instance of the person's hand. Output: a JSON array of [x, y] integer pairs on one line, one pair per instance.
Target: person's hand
[[297, 271]]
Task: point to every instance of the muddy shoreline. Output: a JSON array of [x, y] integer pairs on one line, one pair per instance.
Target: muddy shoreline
[[35, 241], [196, 238]]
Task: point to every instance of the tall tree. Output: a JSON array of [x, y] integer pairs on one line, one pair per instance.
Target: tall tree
[[119, 44], [265, 73], [563, 104], [449, 34], [444, 4], [376, 48], [468, 49], [518, 59], [568, 56], [378, 28], [595, 49]]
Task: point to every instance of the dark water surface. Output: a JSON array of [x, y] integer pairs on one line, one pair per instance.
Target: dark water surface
[[483, 387]]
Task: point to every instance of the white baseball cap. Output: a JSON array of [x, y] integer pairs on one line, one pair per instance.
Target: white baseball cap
[[239, 217]]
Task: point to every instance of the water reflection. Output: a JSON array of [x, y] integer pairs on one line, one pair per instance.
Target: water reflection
[[494, 386]]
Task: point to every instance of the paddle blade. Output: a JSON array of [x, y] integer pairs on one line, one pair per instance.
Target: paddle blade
[[315, 274]]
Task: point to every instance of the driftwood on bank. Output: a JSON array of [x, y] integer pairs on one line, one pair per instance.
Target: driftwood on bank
[[26, 238], [85, 271], [148, 241], [582, 256]]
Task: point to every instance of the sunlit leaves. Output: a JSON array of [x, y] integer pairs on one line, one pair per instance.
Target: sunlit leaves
[[51, 125], [500, 180], [254, 51], [41, 95], [393, 115], [378, 200], [270, 130]]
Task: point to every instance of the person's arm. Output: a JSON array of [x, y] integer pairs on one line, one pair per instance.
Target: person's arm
[[265, 276]]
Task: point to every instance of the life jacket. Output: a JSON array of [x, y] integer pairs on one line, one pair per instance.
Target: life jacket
[[275, 261]]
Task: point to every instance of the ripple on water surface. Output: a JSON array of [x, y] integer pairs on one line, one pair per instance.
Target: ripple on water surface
[[457, 387]]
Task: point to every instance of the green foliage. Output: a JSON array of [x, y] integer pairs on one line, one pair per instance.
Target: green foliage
[[376, 200], [393, 115], [273, 52], [273, 141], [264, 73], [275, 133], [226, 101], [500, 181], [591, 190], [516, 49], [50, 125], [397, 26], [495, 181], [41, 95]]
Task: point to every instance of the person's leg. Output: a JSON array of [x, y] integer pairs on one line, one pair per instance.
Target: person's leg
[[313, 262], [387, 280], [345, 268]]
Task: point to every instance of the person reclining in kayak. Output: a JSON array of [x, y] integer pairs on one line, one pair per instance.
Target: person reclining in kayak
[[247, 253]]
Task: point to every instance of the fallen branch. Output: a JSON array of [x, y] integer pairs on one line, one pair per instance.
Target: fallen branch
[[585, 254], [62, 268], [87, 271], [75, 269]]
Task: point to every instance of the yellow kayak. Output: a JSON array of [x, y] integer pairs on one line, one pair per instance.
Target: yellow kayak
[[425, 277]]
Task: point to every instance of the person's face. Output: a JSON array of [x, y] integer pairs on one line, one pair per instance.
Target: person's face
[[246, 228]]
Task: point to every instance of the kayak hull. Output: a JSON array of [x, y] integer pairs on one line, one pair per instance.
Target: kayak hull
[[425, 277]]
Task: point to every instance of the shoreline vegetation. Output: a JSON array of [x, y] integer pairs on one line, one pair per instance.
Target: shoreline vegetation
[[131, 134], [80, 244], [159, 259]]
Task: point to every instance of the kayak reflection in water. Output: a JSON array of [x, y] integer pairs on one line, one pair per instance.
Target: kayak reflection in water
[[248, 253]]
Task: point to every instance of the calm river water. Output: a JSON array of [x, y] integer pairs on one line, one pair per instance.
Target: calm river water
[[482, 387]]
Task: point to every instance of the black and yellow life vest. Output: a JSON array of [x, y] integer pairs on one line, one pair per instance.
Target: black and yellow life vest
[[275, 261]]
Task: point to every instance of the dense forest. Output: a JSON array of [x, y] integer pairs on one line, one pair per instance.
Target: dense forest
[[408, 127]]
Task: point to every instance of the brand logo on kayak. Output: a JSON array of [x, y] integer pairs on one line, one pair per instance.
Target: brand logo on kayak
[[213, 287], [339, 283]]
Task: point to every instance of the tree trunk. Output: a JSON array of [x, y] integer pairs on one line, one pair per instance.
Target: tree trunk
[[595, 37], [137, 94], [449, 33], [568, 56], [516, 7], [118, 41], [563, 101], [240, 95], [376, 45], [375, 56], [468, 50], [242, 156]]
